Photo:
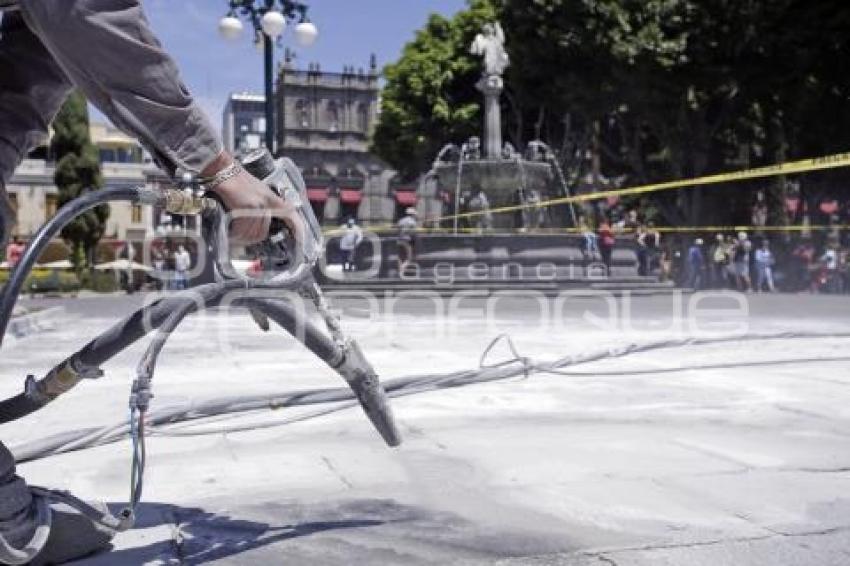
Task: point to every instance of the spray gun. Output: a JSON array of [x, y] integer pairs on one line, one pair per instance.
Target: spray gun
[[287, 263]]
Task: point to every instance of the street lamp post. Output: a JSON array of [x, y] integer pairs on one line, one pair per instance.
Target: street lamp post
[[268, 18]]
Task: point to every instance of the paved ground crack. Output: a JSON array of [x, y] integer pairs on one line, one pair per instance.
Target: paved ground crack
[[605, 559], [713, 542], [337, 473]]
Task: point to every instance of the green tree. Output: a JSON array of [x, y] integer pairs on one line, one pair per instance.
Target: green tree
[[680, 88], [78, 172], [429, 98], [658, 89]]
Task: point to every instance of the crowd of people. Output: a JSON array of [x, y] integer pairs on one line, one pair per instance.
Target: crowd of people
[[749, 263]]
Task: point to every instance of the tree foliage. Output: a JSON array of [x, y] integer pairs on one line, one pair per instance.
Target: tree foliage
[[78, 172], [684, 87], [664, 89], [430, 97]]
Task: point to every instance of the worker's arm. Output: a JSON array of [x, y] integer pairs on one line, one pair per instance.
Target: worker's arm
[[107, 50]]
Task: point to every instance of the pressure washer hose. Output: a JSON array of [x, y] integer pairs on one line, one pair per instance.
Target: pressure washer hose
[[343, 356], [137, 325], [86, 361]]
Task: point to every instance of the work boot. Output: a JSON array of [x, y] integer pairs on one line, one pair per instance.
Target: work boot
[[73, 536]]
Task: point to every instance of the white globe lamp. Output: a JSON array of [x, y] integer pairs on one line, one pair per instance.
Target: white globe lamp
[[230, 27], [273, 23], [306, 34]]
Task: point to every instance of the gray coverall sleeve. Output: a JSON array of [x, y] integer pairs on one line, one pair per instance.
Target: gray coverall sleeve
[[107, 49], [32, 88]]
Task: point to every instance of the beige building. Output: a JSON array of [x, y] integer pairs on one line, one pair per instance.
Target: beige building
[[123, 161]]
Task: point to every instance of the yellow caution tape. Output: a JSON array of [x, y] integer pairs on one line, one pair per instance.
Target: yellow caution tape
[[662, 229], [803, 166], [792, 167]]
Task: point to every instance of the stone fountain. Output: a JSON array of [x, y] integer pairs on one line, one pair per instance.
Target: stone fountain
[[513, 250], [504, 175]]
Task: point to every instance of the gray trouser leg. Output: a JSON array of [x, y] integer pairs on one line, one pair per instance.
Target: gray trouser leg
[[16, 524], [71, 535], [107, 49], [32, 88]]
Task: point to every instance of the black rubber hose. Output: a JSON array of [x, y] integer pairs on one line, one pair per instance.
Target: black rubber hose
[[47, 232], [285, 315], [145, 320], [140, 323], [115, 340], [199, 298], [17, 407]]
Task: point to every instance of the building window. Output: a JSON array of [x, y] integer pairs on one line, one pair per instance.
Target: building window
[[136, 214], [333, 116], [250, 142], [302, 113], [363, 117], [13, 201], [51, 205]]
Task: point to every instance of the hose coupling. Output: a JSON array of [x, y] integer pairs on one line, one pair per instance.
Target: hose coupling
[[186, 202], [141, 395], [59, 380]]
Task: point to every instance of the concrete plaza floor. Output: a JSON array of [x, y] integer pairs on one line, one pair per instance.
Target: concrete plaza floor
[[745, 460]]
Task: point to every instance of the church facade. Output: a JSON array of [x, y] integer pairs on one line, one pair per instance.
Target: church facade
[[324, 123]]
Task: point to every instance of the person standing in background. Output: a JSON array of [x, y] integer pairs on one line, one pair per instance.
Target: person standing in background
[[696, 264], [642, 250], [606, 241], [741, 259], [652, 241], [665, 263], [14, 251], [764, 267], [348, 245], [182, 264], [407, 227], [829, 262], [590, 246], [158, 269], [719, 262]]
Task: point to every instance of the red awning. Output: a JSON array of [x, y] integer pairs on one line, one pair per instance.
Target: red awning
[[406, 198], [317, 194], [350, 196]]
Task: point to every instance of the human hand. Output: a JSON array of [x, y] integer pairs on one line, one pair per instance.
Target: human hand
[[252, 205]]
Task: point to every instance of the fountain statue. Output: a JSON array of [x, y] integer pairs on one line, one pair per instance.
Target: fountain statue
[[491, 45], [482, 175]]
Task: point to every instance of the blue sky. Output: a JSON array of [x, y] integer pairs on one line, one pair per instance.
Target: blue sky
[[349, 30]]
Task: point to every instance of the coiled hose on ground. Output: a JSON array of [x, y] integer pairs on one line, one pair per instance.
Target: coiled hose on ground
[[161, 421]]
